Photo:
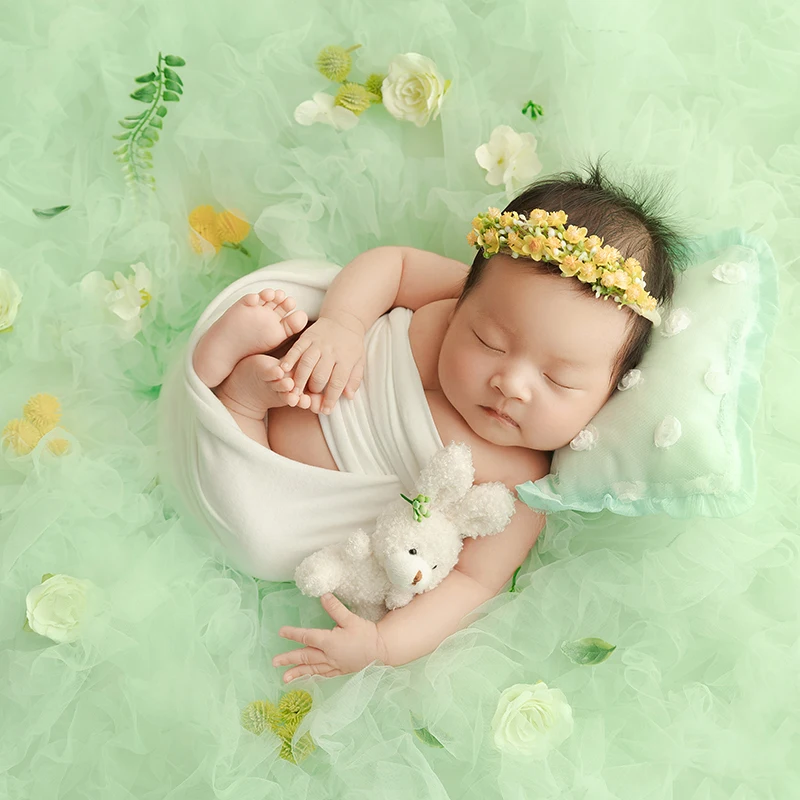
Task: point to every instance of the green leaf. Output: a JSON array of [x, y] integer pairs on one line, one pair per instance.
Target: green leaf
[[424, 734], [130, 124], [137, 116], [48, 575], [146, 141], [587, 652], [171, 97], [151, 76], [145, 94], [174, 86], [174, 61], [153, 135], [123, 136], [26, 626], [46, 213], [172, 75], [161, 111], [120, 150], [156, 123]]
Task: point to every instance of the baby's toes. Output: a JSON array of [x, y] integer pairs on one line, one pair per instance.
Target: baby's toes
[[295, 322], [267, 295]]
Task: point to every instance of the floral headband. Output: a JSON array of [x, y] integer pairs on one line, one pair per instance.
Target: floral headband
[[543, 236]]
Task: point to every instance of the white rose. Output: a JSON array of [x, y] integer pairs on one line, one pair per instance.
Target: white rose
[[414, 89], [510, 158], [531, 720], [10, 297], [322, 108], [57, 607]]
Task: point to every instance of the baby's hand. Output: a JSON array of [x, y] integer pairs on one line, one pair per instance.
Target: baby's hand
[[329, 357]]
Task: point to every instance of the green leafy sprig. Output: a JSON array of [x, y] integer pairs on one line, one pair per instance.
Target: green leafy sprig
[[164, 85]]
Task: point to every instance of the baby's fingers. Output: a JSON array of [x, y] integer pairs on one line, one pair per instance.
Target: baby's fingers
[[305, 366], [335, 387], [355, 380], [294, 353]]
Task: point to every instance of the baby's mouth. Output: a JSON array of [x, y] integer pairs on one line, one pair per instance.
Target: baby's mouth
[[496, 415]]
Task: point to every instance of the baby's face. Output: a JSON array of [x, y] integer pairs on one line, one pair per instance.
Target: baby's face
[[531, 347]]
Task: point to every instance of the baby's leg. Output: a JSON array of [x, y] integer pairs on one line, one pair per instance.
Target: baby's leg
[[257, 384], [256, 323]]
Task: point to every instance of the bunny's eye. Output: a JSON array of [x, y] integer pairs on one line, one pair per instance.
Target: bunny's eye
[[434, 566], [413, 552]]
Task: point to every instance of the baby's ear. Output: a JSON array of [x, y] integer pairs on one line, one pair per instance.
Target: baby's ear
[[448, 475], [486, 509]]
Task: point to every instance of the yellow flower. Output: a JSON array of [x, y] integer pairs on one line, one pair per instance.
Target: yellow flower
[[588, 272], [621, 279], [477, 223], [203, 222], [556, 218], [608, 279], [551, 244], [633, 293], [534, 247], [506, 219], [570, 265], [592, 241], [633, 268], [648, 303], [538, 217], [43, 411], [573, 234], [472, 238], [232, 226], [515, 242], [58, 446], [603, 256], [491, 242], [22, 435], [494, 213]]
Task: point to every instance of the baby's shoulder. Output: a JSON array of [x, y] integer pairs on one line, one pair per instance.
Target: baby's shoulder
[[509, 465], [425, 334]]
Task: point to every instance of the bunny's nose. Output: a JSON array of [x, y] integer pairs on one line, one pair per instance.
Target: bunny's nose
[[417, 578]]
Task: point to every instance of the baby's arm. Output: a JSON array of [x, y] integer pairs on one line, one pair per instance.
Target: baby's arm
[[329, 355]]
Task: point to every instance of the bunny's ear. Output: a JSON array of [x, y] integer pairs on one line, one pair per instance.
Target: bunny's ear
[[448, 475], [486, 509]]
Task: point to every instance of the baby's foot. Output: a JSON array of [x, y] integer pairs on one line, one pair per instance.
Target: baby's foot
[[256, 323], [257, 384]]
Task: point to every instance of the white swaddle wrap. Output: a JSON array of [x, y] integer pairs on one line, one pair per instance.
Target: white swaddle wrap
[[268, 512]]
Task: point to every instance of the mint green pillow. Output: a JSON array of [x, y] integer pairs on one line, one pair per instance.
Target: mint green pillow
[[676, 435]]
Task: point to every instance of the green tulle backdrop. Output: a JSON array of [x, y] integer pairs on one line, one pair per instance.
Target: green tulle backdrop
[[700, 699]]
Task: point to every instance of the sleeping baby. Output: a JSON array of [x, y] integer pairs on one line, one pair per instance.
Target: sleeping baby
[[507, 356]]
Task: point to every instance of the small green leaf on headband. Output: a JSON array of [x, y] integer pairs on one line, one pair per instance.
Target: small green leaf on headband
[[171, 97], [174, 61], [424, 734], [587, 652], [161, 111], [171, 75], [151, 76], [47, 213], [514, 580], [174, 86]]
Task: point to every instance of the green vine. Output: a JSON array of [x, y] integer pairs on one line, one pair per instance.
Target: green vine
[[142, 130]]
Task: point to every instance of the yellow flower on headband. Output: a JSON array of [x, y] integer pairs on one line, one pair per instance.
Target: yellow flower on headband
[[542, 235]]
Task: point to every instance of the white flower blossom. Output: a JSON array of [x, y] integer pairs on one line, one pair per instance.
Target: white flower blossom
[[123, 297], [510, 158], [414, 89], [322, 108]]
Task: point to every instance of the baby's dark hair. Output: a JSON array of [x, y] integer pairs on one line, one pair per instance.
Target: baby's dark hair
[[628, 218]]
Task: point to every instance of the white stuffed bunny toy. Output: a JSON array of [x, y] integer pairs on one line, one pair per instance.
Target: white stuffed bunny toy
[[416, 542]]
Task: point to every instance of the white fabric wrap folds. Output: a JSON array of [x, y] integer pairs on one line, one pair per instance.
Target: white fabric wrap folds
[[266, 511]]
